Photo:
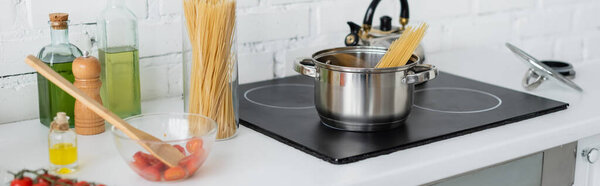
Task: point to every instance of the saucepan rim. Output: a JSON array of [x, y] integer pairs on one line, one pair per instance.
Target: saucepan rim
[[356, 49]]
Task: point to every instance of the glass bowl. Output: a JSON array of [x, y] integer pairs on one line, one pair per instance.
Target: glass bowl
[[193, 134]]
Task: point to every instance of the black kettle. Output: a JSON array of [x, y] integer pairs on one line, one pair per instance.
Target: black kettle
[[382, 35]]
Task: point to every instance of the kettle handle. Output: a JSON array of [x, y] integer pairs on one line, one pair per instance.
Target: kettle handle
[[368, 20]]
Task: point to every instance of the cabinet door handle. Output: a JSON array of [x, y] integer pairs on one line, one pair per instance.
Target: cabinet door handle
[[591, 155]]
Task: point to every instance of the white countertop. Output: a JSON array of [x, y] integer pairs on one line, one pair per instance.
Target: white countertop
[[255, 159]]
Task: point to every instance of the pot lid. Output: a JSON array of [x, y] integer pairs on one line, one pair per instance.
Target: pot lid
[[542, 69]]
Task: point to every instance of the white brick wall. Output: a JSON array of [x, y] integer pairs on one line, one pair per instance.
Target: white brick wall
[[272, 33]]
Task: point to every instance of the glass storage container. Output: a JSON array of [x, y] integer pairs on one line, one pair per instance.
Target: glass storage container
[[119, 59], [210, 63]]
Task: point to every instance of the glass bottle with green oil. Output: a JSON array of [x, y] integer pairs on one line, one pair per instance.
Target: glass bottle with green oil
[[62, 145], [118, 55], [59, 55]]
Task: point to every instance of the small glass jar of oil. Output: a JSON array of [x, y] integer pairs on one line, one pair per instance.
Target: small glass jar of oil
[[62, 145]]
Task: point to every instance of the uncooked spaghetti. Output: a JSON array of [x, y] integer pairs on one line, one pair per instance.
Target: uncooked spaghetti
[[211, 25], [402, 49]]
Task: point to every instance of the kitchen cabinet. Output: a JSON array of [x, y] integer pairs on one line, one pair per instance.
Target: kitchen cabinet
[[521, 172], [551, 167], [587, 172]]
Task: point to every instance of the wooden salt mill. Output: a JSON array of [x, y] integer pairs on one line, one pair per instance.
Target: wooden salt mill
[[86, 70]]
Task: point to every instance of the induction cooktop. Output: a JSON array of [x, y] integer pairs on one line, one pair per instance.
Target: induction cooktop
[[446, 107]]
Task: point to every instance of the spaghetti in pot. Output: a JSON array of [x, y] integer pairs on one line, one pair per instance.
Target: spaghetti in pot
[[402, 49]]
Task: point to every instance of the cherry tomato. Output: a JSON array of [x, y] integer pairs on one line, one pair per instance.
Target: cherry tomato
[[41, 184], [194, 145], [160, 166], [141, 158], [40, 178], [180, 148], [139, 165], [65, 181], [150, 173], [192, 162], [174, 173], [25, 181], [82, 183], [150, 159]]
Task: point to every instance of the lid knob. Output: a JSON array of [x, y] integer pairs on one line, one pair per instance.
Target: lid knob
[[385, 23]]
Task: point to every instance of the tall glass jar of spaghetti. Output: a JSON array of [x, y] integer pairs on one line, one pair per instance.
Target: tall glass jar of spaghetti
[[210, 63]]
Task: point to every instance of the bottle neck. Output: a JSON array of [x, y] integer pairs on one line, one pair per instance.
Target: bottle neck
[[115, 3], [59, 36]]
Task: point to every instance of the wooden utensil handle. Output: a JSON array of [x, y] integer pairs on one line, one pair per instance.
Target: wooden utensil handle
[[163, 151], [92, 104]]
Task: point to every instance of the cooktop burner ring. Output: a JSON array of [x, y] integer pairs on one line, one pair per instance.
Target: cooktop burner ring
[[471, 111], [310, 104]]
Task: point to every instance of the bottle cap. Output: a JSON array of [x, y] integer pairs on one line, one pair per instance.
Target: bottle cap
[[61, 122], [59, 21]]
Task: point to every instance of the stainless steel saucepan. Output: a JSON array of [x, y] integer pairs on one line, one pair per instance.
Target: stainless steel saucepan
[[352, 95]]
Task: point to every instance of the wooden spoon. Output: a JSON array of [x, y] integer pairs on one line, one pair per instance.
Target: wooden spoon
[[163, 151]]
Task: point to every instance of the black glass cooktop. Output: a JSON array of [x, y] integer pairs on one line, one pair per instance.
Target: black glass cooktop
[[446, 107]]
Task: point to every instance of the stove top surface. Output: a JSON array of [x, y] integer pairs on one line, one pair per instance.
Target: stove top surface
[[446, 107]]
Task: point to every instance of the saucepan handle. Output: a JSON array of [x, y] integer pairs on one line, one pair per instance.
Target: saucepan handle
[[420, 73], [305, 66]]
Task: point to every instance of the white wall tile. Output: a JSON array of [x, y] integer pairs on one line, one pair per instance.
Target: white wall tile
[[171, 7], [479, 31], [175, 73], [247, 3], [154, 76], [14, 51], [439, 9], [544, 23], [255, 67], [486, 6], [159, 38], [280, 2], [8, 14], [272, 33], [569, 49], [80, 11], [586, 17], [18, 98], [540, 47], [592, 47], [273, 24], [333, 15]]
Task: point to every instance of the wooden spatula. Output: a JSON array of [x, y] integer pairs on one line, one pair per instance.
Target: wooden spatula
[[164, 152]]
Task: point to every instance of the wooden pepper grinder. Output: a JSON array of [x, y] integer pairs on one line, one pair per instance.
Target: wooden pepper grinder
[[86, 70]]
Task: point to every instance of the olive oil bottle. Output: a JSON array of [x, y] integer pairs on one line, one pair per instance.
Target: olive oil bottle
[[59, 55], [121, 80], [118, 55]]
